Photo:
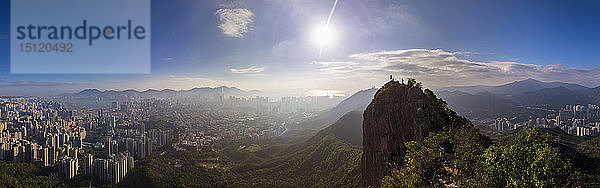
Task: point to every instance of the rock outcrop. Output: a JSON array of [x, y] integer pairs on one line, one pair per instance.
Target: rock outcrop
[[399, 113]]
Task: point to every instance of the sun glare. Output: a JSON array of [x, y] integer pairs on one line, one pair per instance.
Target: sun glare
[[323, 36]]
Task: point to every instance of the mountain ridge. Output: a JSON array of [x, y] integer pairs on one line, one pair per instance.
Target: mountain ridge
[[356, 102], [164, 93], [516, 87]]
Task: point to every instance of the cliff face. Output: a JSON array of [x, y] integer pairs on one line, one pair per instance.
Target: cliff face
[[397, 114]]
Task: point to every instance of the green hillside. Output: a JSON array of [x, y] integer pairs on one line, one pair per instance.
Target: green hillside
[[331, 158], [182, 169], [28, 175]]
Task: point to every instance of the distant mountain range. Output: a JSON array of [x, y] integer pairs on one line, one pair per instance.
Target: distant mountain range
[[518, 87], [482, 105], [486, 102], [202, 92]]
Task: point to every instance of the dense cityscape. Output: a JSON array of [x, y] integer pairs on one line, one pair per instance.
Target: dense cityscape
[[105, 143], [580, 120]]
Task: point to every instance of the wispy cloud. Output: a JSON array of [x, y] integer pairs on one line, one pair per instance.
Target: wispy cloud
[[252, 69], [439, 68], [235, 21], [326, 92], [189, 78], [26, 83], [335, 63]]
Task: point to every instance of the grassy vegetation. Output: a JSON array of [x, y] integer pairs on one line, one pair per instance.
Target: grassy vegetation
[[591, 147], [28, 175], [330, 162], [530, 157], [182, 169]]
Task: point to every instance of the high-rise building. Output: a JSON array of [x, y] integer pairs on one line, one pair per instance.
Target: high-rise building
[[113, 147], [2, 126], [15, 153], [113, 122], [52, 156], [115, 105], [30, 154], [69, 167], [502, 124], [140, 149], [101, 169], [142, 127], [88, 164], [162, 137], [130, 145], [46, 156], [77, 142], [130, 162], [148, 147], [2, 151]]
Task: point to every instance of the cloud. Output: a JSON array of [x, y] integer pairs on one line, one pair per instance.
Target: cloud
[[335, 63], [252, 69], [231, 3], [189, 78], [26, 83], [442, 68], [337, 67], [282, 49], [326, 92], [235, 21]]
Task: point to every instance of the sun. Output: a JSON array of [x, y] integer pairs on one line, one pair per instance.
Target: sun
[[323, 36]]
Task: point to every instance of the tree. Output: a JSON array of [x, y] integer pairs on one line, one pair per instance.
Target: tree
[[423, 164], [526, 159], [468, 159], [469, 146]]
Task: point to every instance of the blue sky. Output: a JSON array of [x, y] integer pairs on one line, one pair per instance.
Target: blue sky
[[268, 45]]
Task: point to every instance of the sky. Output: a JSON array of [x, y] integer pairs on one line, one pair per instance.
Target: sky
[[274, 46]]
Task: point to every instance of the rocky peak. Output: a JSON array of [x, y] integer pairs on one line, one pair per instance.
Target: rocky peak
[[399, 113]]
